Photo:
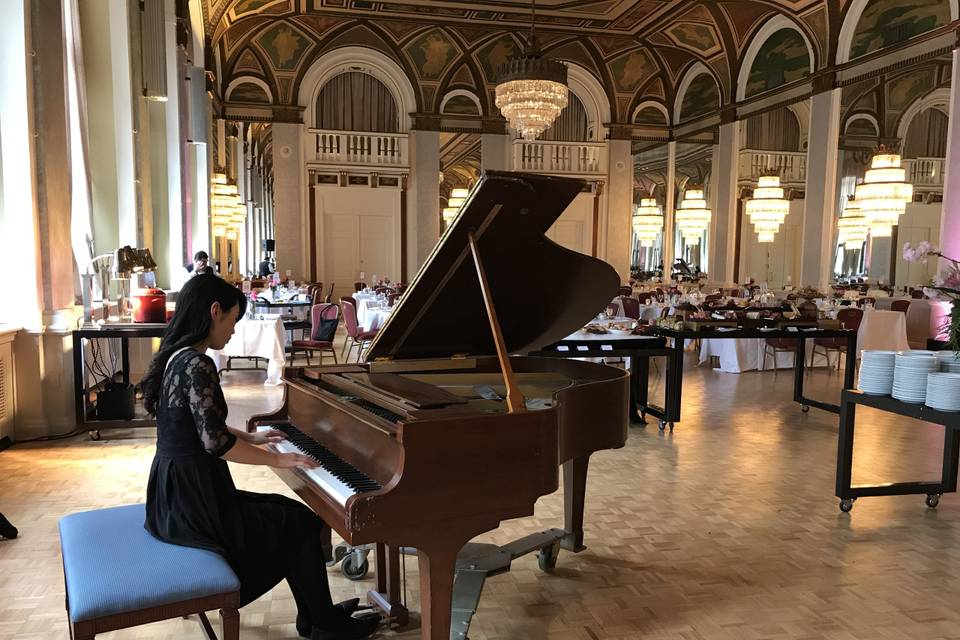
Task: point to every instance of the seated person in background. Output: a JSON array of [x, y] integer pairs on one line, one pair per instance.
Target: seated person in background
[[265, 267], [201, 263]]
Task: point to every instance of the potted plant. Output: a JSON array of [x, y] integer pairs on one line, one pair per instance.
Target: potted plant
[[945, 286]]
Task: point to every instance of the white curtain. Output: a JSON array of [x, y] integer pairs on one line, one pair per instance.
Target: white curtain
[[81, 219]]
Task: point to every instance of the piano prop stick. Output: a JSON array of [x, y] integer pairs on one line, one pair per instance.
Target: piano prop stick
[[515, 401], [417, 446]]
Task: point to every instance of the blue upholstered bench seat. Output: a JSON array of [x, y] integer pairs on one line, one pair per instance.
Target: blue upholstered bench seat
[[113, 565]]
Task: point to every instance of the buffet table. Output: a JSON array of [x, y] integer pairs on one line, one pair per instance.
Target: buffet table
[[737, 356]]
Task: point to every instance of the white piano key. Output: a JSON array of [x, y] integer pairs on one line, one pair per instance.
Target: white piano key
[[328, 483]]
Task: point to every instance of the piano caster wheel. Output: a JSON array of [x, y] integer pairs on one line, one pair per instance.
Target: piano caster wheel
[[933, 500], [664, 424], [547, 557], [355, 565], [805, 408], [846, 504], [94, 434], [339, 553]]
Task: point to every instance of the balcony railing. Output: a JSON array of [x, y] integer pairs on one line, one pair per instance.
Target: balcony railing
[[791, 166], [925, 173], [356, 148], [574, 158]]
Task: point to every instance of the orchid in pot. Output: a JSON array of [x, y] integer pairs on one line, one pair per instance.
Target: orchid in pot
[[945, 286]]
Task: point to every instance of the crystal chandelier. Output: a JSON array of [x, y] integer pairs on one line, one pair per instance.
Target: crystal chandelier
[[228, 214], [457, 197], [853, 226], [531, 89], [884, 193], [647, 222], [767, 208], [692, 216]]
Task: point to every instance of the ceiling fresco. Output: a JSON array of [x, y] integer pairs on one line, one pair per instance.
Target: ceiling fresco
[[637, 50]]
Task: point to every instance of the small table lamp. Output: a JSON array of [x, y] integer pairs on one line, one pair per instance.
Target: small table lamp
[[128, 261]]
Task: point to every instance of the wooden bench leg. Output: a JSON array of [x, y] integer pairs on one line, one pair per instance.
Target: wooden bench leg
[[230, 624]]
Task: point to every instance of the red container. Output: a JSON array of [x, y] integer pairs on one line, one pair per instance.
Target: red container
[[149, 305]]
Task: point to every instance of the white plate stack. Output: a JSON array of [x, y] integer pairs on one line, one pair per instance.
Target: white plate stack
[[943, 391], [910, 376], [949, 361], [876, 372]]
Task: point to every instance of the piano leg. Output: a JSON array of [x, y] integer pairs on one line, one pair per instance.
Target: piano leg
[[386, 597], [437, 568], [574, 495]]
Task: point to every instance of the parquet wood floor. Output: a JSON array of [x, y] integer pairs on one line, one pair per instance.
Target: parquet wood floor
[[726, 528]]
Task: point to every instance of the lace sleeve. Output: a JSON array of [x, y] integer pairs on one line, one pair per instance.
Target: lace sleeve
[[207, 405]]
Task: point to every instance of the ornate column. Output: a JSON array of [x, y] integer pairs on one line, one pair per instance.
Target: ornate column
[[423, 192], [288, 199], [495, 146], [820, 202], [669, 215], [619, 200], [950, 213], [723, 238]]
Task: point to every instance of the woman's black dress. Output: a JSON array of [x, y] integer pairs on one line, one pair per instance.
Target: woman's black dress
[[192, 501]]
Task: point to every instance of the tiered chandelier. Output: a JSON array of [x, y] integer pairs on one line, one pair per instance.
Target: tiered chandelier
[[692, 216], [647, 222], [853, 226], [767, 208], [884, 193], [227, 211], [531, 89], [457, 197]]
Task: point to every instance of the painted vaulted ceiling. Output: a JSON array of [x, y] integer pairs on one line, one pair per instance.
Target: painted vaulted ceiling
[[639, 50]]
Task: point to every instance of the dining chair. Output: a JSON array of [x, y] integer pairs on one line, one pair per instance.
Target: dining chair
[[776, 345], [329, 296], [356, 335], [631, 307], [320, 316], [359, 286], [900, 305], [850, 318]]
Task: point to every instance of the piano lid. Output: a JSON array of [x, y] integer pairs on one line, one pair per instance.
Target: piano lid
[[542, 292]]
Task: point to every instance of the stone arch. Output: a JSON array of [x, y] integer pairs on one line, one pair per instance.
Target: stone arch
[[770, 27], [249, 80], [696, 70], [852, 19], [936, 99], [454, 93], [365, 60], [869, 117], [651, 104]]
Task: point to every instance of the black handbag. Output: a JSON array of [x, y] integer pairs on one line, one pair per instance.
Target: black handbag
[[116, 401], [325, 331]]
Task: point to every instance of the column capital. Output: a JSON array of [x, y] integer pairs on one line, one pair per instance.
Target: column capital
[[823, 81], [425, 121], [728, 114], [619, 131]]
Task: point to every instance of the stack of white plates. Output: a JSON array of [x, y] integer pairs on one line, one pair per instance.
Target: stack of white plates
[[949, 361], [943, 391], [876, 372], [910, 376]]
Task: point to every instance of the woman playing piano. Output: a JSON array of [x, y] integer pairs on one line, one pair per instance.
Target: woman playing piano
[[191, 498]]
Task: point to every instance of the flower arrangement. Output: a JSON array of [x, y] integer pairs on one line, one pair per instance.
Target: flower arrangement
[[945, 286]]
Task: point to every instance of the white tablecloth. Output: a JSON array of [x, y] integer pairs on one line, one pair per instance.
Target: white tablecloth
[[369, 314], [746, 354], [262, 338], [883, 330], [648, 312]]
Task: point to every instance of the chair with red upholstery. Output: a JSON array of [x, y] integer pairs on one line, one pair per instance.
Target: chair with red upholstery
[[626, 290], [900, 305], [329, 297], [631, 307], [862, 301], [359, 286], [356, 335], [321, 335], [850, 318], [776, 345]]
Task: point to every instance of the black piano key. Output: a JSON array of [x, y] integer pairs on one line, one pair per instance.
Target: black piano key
[[345, 472]]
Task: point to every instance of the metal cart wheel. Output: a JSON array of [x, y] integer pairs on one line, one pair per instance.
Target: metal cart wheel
[[547, 557], [933, 500], [846, 504], [355, 565], [94, 434], [805, 408]]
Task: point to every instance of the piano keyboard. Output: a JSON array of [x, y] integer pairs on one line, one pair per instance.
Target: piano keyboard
[[335, 477]]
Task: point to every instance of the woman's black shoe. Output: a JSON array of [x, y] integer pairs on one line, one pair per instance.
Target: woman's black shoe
[[348, 628], [7, 530], [305, 628]]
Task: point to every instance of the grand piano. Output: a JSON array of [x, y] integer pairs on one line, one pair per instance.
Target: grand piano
[[441, 434]]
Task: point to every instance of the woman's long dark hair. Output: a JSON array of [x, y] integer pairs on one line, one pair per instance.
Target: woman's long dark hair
[[189, 325]]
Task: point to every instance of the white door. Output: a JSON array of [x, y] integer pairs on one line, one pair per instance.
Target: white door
[[342, 251], [376, 247]]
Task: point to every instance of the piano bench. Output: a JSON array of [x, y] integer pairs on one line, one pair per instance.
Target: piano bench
[[117, 575]]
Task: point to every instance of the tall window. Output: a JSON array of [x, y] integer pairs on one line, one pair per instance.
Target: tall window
[[571, 125], [356, 101]]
